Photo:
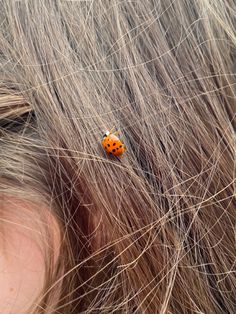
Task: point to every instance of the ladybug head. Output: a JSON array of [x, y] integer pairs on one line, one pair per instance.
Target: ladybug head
[[106, 134]]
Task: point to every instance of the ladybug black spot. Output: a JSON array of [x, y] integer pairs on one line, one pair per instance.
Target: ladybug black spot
[[114, 144], [117, 148], [108, 145], [113, 150], [120, 146]]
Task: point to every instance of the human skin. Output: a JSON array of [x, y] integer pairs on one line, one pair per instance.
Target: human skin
[[22, 267]]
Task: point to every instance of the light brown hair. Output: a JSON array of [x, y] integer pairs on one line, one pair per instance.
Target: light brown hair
[[154, 231]]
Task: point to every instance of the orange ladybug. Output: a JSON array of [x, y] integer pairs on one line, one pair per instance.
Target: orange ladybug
[[112, 144]]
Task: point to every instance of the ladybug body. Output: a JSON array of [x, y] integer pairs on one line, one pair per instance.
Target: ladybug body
[[112, 144]]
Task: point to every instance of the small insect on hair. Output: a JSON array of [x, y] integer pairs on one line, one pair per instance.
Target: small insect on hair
[[112, 143]]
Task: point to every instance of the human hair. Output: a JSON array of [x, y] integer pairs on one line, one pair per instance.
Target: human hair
[[152, 231]]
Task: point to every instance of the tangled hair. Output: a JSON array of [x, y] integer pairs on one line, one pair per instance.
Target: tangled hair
[[154, 231]]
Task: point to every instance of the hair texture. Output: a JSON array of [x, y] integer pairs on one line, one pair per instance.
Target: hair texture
[[154, 231]]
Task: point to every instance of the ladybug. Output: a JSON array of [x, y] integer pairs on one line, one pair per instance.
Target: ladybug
[[112, 144]]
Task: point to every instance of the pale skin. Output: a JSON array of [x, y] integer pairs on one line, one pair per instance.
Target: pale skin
[[22, 268]]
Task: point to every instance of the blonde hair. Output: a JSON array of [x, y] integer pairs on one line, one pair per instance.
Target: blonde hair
[[154, 231]]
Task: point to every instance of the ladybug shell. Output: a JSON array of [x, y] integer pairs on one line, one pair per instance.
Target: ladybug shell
[[113, 145]]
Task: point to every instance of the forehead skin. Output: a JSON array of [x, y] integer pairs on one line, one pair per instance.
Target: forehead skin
[[21, 272], [22, 267]]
